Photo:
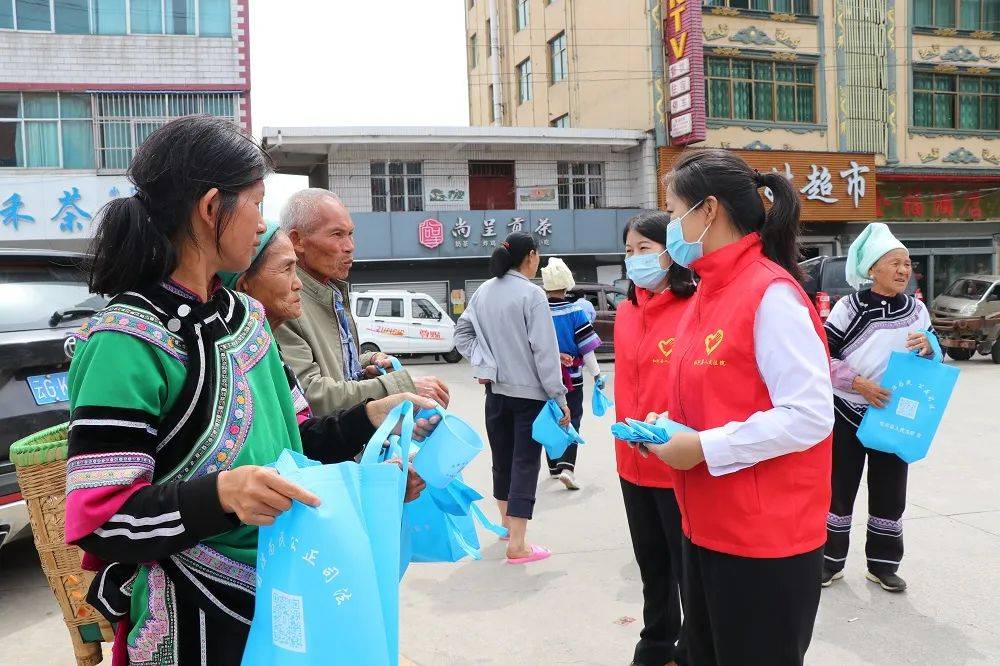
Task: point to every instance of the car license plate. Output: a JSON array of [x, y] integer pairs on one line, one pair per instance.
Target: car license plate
[[48, 389]]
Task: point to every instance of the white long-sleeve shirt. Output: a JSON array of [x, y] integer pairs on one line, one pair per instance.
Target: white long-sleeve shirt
[[795, 368]]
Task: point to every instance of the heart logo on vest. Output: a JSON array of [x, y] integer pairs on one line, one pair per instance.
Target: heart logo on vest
[[667, 347], [713, 341]]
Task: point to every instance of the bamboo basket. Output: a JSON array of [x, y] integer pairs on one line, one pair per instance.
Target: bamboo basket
[[40, 460]]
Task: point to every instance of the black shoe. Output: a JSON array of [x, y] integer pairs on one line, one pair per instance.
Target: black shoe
[[829, 576], [890, 582]]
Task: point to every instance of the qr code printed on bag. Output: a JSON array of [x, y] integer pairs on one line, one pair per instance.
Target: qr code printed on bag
[[907, 408], [288, 622]]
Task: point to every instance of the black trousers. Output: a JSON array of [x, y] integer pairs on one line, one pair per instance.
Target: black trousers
[[749, 611], [517, 457], [886, 501], [574, 399], [654, 521]]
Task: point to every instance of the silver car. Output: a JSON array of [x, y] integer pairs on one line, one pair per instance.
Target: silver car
[[967, 317], [969, 296]]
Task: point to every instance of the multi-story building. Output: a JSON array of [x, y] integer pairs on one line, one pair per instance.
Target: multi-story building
[[553, 63], [83, 82], [430, 205], [875, 109]]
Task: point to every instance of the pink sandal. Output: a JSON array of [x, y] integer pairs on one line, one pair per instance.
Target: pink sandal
[[537, 553]]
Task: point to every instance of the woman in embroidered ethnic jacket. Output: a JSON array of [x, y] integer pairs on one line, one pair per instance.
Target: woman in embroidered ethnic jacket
[[177, 398]]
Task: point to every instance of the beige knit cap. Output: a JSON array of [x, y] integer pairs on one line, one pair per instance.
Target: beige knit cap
[[557, 276]]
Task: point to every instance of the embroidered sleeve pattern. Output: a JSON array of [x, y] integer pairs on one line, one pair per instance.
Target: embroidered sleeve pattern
[[112, 510]]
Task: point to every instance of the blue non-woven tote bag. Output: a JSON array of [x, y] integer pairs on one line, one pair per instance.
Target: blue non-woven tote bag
[[440, 524], [600, 403], [328, 576], [447, 450], [920, 389], [547, 431]]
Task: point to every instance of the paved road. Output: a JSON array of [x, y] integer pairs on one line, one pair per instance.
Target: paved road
[[580, 606]]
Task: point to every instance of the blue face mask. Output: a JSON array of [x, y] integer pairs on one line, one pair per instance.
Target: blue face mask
[[644, 270], [683, 252]]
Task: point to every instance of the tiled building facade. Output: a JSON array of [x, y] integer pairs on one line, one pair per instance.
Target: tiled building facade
[[83, 82]]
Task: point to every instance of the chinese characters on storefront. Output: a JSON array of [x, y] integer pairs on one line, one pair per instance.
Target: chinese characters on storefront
[[685, 70], [54, 207], [430, 232], [925, 200], [831, 186]]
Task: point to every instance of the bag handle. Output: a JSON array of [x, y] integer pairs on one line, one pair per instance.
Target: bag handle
[[932, 340], [373, 449], [499, 530], [437, 410], [396, 366]]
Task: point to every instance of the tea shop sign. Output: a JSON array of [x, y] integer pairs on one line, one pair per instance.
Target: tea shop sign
[[431, 233]]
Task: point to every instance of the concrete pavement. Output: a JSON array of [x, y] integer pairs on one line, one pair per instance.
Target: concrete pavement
[[583, 605]]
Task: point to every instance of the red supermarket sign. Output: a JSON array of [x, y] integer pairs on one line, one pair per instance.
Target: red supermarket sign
[[685, 71]]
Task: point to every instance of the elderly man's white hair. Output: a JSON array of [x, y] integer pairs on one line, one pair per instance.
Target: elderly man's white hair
[[301, 211]]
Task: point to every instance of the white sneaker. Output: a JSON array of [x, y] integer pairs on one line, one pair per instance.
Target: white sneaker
[[569, 480]]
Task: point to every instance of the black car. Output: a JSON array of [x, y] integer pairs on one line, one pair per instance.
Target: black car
[[43, 299], [826, 282]]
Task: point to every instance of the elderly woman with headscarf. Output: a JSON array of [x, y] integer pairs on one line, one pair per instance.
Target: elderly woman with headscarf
[[272, 280], [863, 330]]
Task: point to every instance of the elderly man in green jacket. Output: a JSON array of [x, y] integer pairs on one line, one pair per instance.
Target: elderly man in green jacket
[[321, 346]]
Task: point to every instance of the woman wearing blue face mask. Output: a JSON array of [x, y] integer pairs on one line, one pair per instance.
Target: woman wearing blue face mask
[[750, 375], [644, 339]]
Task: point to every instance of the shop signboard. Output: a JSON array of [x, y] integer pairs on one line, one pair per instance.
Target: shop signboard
[[831, 186], [439, 195], [477, 233], [51, 207], [685, 71], [935, 200], [539, 194]]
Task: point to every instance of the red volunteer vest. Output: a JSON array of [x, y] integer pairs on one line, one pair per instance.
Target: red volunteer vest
[[644, 340], [776, 508]]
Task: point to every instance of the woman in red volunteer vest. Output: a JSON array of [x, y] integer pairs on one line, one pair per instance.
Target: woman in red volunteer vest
[[644, 338], [750, 374]]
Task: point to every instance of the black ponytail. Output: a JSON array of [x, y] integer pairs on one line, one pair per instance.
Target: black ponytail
[[512, 253], [138, 237], [780, 232], [713, 172], [653, 225], [128, 248]]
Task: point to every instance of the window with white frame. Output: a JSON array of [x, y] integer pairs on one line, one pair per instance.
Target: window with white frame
[[558, 64], [397, 186], [205, 18], [521, 10], [124, 120], [52, 130], [524, 81], [581, 185]]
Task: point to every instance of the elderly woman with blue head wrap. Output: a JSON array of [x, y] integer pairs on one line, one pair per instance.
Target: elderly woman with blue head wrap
[[863, 330], [271, 277]]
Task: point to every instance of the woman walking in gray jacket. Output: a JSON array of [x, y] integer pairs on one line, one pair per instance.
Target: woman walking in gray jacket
[[507, 334]]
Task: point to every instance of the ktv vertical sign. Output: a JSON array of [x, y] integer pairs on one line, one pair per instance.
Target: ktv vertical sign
[[685, 71]]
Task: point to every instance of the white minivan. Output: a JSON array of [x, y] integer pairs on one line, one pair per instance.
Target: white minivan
[[404, 323]]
